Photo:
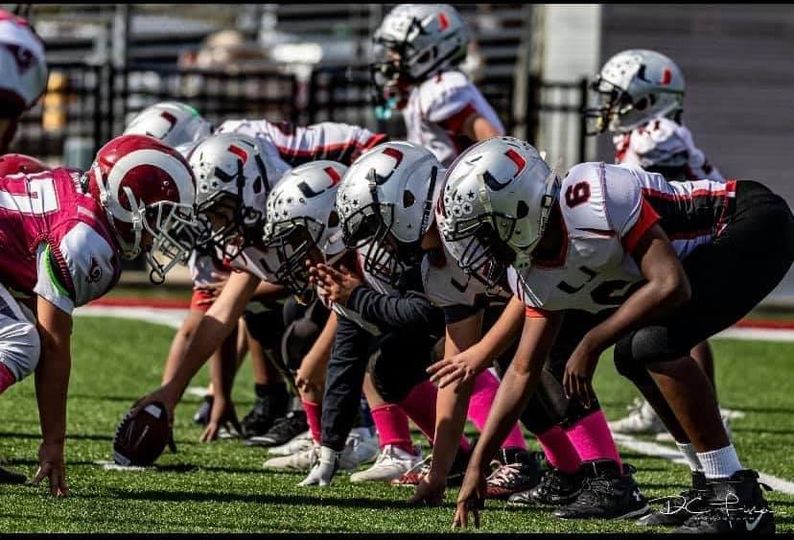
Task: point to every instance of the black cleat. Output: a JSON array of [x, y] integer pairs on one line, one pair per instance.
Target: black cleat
[[284, 429], [518, 471], [271, 404], [679, 508], [606, 494], [733, 505], [202, 415], [555, 488], [11, 477]]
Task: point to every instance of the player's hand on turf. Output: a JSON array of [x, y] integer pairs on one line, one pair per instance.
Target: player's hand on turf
[[323, 471], [429, 492], [457, 369], [53, 467], [578, 378], [335, 285], [223, 414], [471, 498]]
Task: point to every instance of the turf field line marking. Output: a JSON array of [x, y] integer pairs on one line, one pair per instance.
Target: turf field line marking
[[166, 317], [757, 334], [672, 454]]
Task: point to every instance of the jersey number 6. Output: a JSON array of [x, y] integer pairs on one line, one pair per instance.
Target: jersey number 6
[[577, 194]]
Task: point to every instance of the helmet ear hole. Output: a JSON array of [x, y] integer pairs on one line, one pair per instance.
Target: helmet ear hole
[[257, 185], [333, 219], [522, 210], [408, 199]]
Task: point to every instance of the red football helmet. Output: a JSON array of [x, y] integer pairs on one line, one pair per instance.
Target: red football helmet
[[145, 185], [20, 163]]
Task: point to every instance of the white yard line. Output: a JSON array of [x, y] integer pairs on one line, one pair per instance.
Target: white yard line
[[672, 454]]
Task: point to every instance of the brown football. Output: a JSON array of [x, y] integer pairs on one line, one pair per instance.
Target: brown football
[[141, 438]]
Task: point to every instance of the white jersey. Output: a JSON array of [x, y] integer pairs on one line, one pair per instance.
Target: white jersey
[[435, 112], [296, 145], [606, 209], [205, 270], [22, 61], [664, 144]]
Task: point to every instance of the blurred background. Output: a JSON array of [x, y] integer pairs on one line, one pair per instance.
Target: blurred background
[[308, 63]]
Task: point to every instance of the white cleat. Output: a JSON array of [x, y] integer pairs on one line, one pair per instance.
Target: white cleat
[[301, 461], [361, 447], [641, 419], [392, 463], [293, 446]]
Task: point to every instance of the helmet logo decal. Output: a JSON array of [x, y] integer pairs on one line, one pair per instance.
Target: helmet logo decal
[[333, 174], [443, 22], [396, 154], [667, 77], [492, 182], [516, 158], [239, 152]]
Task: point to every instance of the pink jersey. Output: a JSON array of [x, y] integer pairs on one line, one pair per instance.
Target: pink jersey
[[664, 144], [56, 242], [606, 209], [436, 110]]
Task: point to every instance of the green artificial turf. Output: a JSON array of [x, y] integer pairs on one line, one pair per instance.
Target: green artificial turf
[[221, 486]]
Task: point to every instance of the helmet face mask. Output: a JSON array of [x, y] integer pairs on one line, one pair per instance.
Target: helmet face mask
[[290, 244], [174, 240]]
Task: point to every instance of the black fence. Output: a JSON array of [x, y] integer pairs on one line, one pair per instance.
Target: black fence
[[87, 105]]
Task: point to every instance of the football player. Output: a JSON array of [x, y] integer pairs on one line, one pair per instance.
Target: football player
[[640, 96], [65, 235], [636, 252], [283, 145], [418, 49], [24, 70], [382, 199]]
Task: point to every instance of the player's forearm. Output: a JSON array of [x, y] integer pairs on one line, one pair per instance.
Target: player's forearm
[[451, 407], [52, 383]]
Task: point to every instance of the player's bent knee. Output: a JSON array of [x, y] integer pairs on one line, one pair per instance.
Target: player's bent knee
[[20, 349], [297, 340], [644, 346], [393, 380]]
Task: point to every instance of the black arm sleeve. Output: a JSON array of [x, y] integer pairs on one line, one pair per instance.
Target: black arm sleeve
[[385, 310], [343, 381]]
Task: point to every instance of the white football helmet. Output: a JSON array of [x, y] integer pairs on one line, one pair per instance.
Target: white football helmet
[[386, 203], [301, 216], [495, 204], [23, 65], [413, 43], [233, 178], [172, 122], [634, 87]]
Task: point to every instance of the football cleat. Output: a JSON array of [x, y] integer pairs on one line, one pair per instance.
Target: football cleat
[[301, 461], [358, 449], [10, 477], [268, 407], [733, 505], [606, 494], [518, 471], [202, 414], [555, 488], [641, 419], [392, 463], [297, 444], [679, 508], [454, 478], [283, 430], [364, 447]]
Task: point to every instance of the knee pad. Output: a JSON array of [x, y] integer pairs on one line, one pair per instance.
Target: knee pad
[[394, 376], [298, 339], [644, 346], [20, 348]]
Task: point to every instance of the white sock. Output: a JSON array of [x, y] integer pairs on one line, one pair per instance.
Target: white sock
[[720, 463], [691, 456]]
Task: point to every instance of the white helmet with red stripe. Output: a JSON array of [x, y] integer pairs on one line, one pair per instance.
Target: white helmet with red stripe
[[389, 190], [145, 185], [174, 123], [233, 172], [634, 87], [301, 215], [495, 204], [22, 64]]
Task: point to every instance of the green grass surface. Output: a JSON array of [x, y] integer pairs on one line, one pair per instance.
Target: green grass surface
[[221, 487]]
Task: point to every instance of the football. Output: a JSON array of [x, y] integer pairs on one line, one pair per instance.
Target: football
[[142, 437]]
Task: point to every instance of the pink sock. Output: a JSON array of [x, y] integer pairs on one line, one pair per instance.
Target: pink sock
[[593, 440], [313, 418], [482, 396], [392, 425], [420, 406], [6, 378], [560, 452]]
